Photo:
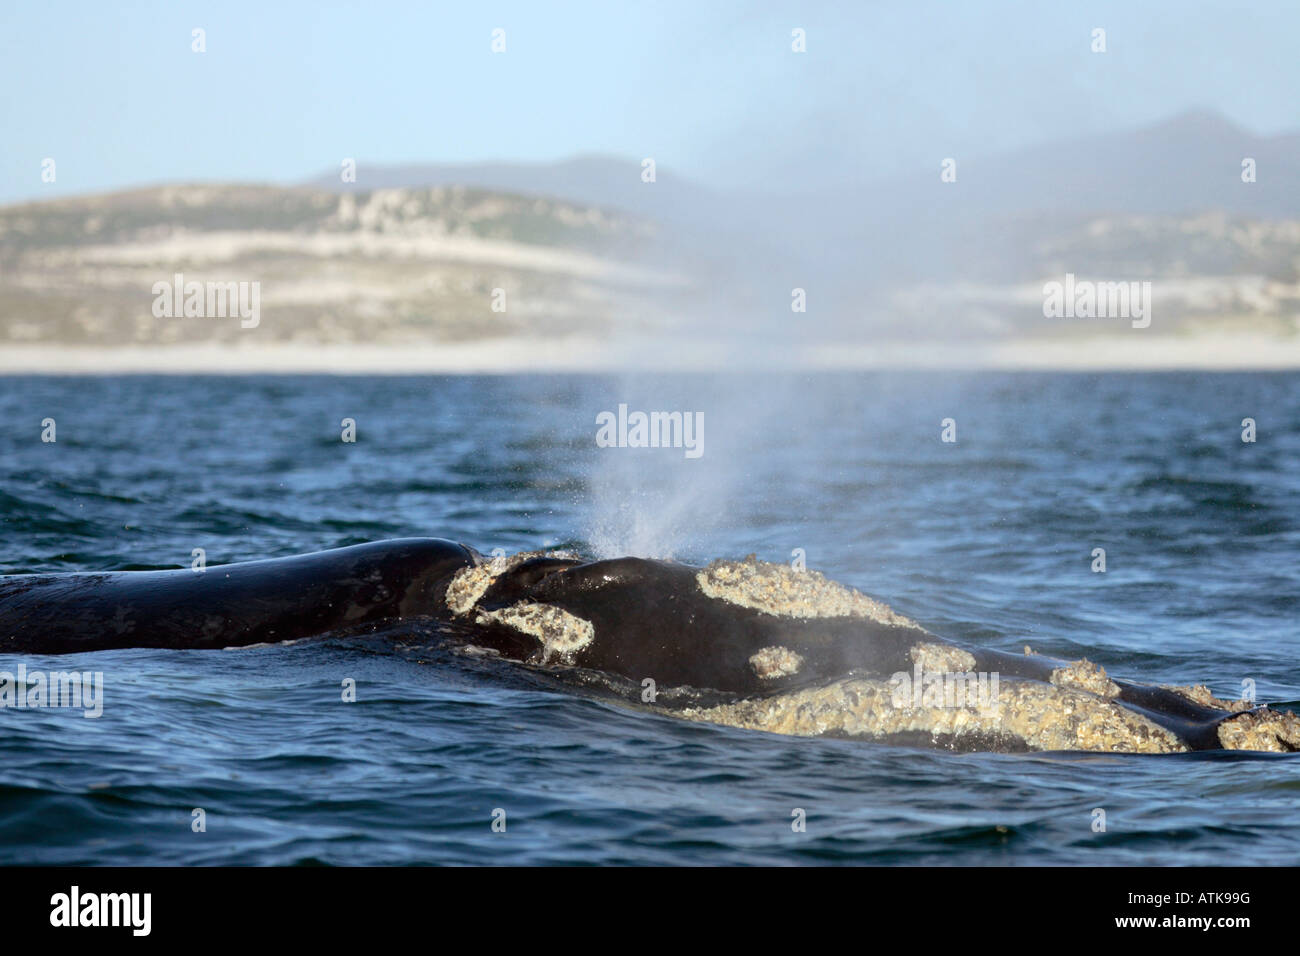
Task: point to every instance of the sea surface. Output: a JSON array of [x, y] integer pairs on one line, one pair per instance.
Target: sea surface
[[990, 539]]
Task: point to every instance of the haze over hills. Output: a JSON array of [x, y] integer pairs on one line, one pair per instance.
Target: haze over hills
[[990, 224], [1186, 165], [584, 251]]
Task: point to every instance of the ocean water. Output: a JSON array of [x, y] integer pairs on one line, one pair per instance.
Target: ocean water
[[988, 539]]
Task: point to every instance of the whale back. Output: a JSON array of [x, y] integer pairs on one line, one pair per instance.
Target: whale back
[[254, 602]]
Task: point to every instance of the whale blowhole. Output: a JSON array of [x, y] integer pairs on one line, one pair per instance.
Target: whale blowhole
[[469, 584]]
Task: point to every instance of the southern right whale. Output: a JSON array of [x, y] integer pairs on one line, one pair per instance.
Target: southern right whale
[[743, 643]]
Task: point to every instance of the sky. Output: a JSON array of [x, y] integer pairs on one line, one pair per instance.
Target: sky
[[115, 94]]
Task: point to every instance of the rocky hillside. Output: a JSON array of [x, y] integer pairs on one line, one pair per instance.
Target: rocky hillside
[[391, 265], [1209, 273]]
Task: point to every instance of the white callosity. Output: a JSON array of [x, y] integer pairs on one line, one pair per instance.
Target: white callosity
[[559, 632], [773, 662], [1277, 731], [1200, 694], [1038, 715], [1084, 675], [941, 658], [784, 592]]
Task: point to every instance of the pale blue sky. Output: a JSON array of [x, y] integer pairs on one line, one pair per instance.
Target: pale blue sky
[[114, 94]]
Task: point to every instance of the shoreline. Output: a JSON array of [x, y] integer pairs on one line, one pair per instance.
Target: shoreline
[[514, 356]]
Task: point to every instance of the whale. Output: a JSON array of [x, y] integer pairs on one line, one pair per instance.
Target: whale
[[742, 643]]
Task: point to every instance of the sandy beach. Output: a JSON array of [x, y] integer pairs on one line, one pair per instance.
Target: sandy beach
[[522, 355]]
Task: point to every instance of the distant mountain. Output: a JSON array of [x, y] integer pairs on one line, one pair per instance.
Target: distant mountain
[[915, 227], [1004, 208], [1189, 164]]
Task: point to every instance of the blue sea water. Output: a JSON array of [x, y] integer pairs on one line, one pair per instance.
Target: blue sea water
[[989, 539]]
